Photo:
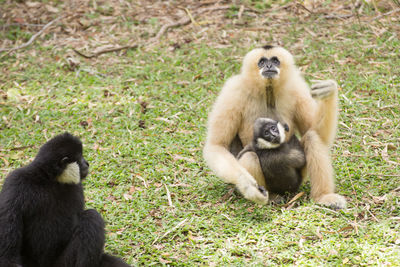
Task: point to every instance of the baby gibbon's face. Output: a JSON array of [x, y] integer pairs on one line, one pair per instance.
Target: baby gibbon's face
[[269, 133]]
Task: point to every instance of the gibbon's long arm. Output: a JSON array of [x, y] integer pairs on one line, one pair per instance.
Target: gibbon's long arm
[[317, 122], [10, 233], [87, 242], [224, 122]]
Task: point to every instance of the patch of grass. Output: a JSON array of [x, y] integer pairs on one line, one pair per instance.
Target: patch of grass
[[142, 118]]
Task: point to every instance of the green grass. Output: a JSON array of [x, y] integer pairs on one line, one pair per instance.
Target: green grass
[[133, 166]]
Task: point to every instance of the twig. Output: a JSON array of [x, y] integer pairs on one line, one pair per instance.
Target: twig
[[299, 195], [144, 181], [385, 175], [170, 231], [169, 197], [166, 27], [336, 16], [9, 50], [190, 16], [303, 7], [385, 14], [107, 50], [323, 208], [185, 21]]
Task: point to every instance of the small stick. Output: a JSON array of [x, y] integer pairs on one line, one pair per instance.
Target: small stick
[[108, 50], [166, 27], [385, 14], [144, 181], [170, 231], [169, 197], [299, 195], [185, 21], [32, 38], [323, 208]]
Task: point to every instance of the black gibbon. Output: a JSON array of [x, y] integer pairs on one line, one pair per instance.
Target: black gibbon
[[43, 222], [281, 162], [269, 79]]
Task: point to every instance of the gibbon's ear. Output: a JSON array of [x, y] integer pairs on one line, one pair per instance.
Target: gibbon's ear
[[286, 127]]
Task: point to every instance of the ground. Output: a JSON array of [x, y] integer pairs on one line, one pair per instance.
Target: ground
[[141, 112]]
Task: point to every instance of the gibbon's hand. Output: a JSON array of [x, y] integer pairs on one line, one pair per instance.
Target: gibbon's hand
[[249, 188], [323, 89]]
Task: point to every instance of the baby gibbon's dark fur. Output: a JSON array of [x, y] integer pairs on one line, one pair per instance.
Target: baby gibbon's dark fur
[[43, 222], [281, 162]]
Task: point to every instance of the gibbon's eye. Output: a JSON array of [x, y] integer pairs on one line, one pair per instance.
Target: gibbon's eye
[[275, 61], [261, 62], [274, 129]]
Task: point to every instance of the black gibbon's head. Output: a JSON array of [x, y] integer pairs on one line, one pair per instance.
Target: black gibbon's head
[[269, 133], [63, 159], [269, 63]]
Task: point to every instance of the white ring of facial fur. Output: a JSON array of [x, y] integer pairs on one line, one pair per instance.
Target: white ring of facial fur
[[70, 175], [275, 76], [264, 144], [281, 130]]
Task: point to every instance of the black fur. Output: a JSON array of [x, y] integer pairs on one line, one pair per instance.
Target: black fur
[[267, 47], [282, 170], [282, 174], [42, 221]]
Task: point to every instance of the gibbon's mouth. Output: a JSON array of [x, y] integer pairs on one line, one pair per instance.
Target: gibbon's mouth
[[269, 73], [84, 174]]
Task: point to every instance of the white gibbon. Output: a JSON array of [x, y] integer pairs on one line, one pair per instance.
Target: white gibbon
[[270, 82]]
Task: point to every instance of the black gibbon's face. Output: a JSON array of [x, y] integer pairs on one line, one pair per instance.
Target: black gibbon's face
[[269, 133], [75, 170], [269, 67]]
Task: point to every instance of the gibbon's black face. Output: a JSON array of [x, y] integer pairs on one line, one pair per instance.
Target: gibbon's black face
[[63, 156], [269, 67], [269, 133]]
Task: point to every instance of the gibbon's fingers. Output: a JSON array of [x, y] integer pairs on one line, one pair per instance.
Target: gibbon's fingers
[[323, 89], [249, 189], [321, 93], [317, 84], [333, 201]]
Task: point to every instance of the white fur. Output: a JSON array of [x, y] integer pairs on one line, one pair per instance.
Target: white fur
[[275, 76], [282, 134], [264, 144], [70, 175]]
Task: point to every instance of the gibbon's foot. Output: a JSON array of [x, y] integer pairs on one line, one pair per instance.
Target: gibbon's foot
[[333, 201], [323, 89], [276, 199], [250, 190]]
